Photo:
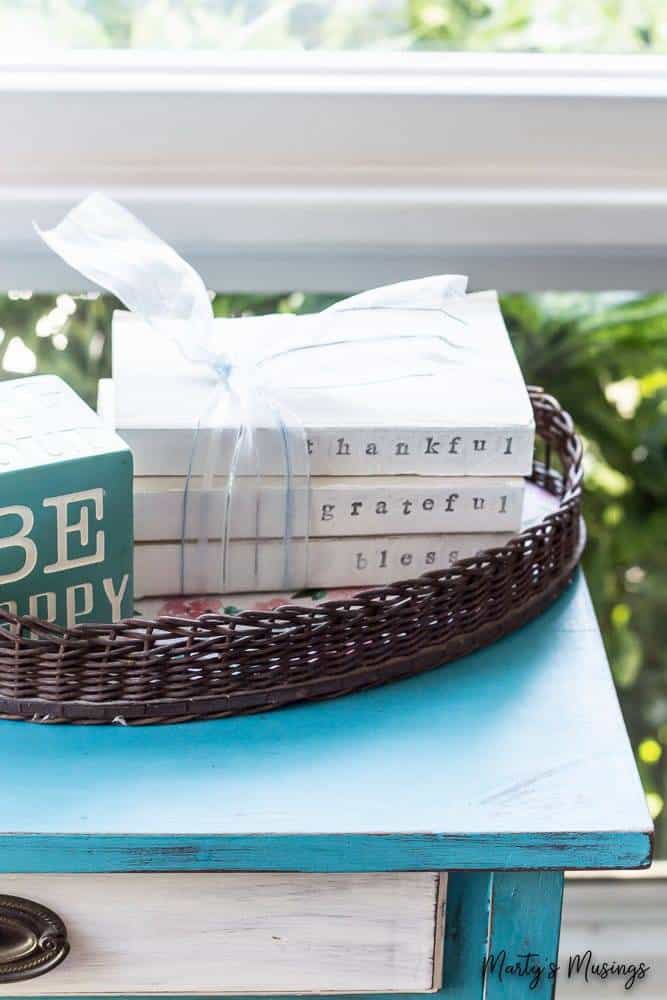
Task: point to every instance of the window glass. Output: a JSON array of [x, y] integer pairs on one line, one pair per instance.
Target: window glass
[[34, 26]]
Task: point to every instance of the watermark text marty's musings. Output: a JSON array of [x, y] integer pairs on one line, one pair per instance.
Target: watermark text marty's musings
[[533, 969]]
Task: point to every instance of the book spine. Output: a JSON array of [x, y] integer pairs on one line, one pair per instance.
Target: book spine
[[423, 452], [330, 562], [354, 507], [507, 451]]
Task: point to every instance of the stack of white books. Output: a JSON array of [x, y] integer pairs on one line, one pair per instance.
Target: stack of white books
[[406, 473]]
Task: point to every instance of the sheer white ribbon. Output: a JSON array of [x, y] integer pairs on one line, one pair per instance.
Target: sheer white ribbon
[[107, 244]]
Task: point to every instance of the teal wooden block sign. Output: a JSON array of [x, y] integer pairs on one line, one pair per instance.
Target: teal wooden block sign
[[65, 507]]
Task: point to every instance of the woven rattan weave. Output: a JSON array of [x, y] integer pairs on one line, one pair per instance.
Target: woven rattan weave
[[176, 669]]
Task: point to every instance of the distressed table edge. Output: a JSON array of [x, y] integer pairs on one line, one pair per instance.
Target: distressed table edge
[[358, 852]]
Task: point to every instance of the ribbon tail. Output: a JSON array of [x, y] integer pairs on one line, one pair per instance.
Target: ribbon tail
[[108, 245], [419, 293], [295, 485]]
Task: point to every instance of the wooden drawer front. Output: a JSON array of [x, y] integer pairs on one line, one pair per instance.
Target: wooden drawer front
[[240, 933]]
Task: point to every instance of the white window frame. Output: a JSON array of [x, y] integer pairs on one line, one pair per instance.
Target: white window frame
[[336, 172]]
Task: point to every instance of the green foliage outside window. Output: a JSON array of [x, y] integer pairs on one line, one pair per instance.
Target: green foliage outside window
[[604, 356], [32, 26]]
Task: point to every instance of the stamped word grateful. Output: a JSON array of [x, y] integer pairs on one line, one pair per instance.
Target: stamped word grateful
[[394, 508]]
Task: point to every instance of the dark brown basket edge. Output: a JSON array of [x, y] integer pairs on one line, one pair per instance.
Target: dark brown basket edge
[[88, 651], [319, 689]]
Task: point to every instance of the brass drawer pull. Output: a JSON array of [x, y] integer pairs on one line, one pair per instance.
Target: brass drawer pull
[[33, 939]]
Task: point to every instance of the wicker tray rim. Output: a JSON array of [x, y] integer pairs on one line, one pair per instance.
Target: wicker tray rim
[[172, 668]]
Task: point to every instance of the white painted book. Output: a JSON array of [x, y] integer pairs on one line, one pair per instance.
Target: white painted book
[[332, 562], [537, 505], [458, 408], [350, 506], [325, 562]]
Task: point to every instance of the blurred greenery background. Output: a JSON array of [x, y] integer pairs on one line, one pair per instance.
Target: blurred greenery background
[[334, 25], [603, 355]]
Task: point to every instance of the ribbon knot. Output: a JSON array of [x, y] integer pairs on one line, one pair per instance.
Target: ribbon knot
[[222, 366]]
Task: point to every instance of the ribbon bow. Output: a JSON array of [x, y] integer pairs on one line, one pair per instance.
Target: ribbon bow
[[107, 244]]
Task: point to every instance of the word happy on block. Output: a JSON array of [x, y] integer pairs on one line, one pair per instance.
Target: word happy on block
[[72, 528]]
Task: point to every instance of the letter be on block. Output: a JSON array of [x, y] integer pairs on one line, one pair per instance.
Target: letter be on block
[[65, 507]]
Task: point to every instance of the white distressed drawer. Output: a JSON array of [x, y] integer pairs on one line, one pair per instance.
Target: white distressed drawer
[[216, 933]]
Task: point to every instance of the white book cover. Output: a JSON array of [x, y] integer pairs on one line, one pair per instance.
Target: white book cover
[[349, 506], [538, 504], [331, 562], [463, 411]]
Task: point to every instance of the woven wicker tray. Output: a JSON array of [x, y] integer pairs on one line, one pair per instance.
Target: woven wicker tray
[[177, 669]]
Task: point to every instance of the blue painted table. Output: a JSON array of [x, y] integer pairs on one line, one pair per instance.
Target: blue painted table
[[503, 769]]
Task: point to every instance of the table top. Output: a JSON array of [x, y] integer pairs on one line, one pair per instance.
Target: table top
[[513, 757]]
